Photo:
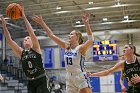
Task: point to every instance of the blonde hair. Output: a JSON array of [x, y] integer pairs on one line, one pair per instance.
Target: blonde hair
[[79, 34]]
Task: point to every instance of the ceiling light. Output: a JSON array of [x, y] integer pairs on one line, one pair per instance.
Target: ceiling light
[[90, 2], [79, 25], [93, 8], [104, 19], [128, 21], [61, 12], [126, 17], [58, 7], [78, 22], [107, 23], [118, 2]]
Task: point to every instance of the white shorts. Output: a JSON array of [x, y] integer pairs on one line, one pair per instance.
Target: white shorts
[[75, 82]]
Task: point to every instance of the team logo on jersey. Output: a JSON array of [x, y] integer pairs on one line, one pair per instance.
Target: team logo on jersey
[[29, 56], [132, 70], [70, 54]]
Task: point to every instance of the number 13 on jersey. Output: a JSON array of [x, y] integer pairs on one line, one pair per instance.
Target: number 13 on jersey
[[69, 60]]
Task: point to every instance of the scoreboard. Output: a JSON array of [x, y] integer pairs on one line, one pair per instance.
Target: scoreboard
[[105, 50]]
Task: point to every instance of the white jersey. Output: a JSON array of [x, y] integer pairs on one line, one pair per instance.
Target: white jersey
[[74, 60], [76, 78]]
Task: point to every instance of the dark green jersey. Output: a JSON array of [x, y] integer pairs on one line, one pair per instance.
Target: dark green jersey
[[132, 70], [32, 63]]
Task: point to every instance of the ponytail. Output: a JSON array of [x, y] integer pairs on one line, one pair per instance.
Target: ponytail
[[133, 47], [81, 41], [137, 54]]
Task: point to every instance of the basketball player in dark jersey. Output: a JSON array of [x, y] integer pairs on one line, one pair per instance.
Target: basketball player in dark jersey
[[130, 68], [31, 58], [130, 89]]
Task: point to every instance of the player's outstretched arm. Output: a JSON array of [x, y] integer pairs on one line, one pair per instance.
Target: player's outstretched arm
[[39, 20], [34, 39], [118, 66], [89, 43], [16, 49]]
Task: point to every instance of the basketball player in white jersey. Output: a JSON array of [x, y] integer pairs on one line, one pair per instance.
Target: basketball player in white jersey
[[75, 50]]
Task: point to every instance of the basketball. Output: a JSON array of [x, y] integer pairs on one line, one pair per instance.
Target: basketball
[[14, 11]]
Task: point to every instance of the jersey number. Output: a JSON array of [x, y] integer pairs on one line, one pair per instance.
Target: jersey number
[[69, 60], [30, 64]]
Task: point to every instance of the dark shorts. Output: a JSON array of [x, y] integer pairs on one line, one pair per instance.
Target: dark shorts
[[132, 89], [38, 85]]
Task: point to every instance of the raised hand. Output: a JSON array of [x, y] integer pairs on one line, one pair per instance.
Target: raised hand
[[2, 19], [85, 17], [89, 74], [38, 19]]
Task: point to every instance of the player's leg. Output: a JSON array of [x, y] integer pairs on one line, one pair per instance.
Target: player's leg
[[85, 86], [42, 86], [30, 87], [130, 89], [86, 90], [136, 89], [71, 89], [83, 82]]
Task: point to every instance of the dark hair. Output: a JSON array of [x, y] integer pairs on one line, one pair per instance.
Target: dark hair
[[133, 47]]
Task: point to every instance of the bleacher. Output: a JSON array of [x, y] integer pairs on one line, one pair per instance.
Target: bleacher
[[14, 79]]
